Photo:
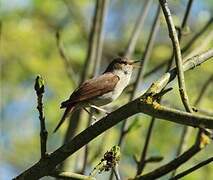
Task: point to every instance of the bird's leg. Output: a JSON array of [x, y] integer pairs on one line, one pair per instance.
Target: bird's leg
[[90, 113], [98, 108]]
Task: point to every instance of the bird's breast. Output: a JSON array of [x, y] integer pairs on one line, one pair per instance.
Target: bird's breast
[[115, 93]]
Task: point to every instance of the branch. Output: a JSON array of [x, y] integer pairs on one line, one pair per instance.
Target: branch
[[71, 176], [141, 164], [201, 141], [190, 170], [71, 74], [190, 63], [142, 104], [143, 64], [39, 88], [75, 117], [97, 60], [177, 52], [197, 35], [136, 106], [137, 29], [185, 133], [203, 90], [100, 36]]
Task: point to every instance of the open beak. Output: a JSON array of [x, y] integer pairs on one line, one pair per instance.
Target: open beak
[[133, 63]]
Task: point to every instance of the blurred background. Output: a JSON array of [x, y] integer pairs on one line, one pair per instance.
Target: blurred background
[[28, 47]]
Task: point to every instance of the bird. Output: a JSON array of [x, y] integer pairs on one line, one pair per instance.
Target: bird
[[100, 90]]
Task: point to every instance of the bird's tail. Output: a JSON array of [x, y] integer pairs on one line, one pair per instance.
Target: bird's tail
[[66, 112]]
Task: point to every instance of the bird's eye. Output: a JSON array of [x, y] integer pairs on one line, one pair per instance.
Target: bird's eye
[[125, 72]]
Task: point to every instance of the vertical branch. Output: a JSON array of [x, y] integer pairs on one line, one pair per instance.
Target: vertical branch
[[39, 88], [141, 164], [178, 60], [143, 64], [75, 117], [100, 36], [97, 59], [145, 58], [92, 46], [177, 52], [137, 29], [183, 24], [0, 30]]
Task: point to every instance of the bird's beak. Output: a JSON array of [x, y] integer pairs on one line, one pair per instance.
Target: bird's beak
[[133, 63]]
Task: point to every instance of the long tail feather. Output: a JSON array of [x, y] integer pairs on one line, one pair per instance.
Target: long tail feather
[[68, 109]]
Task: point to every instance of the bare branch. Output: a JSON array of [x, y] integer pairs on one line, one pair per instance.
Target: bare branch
[[144, 104], [75, 117], [71, 74], [198, 145], [100, 36], [71, 176], [137, 29], [177, 52], [142, 162], [39, 88], [203, 90], [97, 59], [143, 63], [190, 170], [197, 35], [77, 16]]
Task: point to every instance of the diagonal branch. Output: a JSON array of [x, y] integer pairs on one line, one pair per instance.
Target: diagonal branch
[[201, 141], [71, 74], [194, 168], [143, 104]]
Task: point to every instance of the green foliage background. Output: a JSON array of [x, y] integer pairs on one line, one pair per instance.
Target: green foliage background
[[28, 47]]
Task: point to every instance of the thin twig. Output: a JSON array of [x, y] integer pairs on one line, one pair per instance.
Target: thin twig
[[203, 90], [75, 117], [197, 35], [143, 64], [183, 50], [70, 72], [161, 171], [100, 36], [71, 176], [185, 133], [141, 164], [194, 168], [78, 17], [203, 45], [1, 30], [97, 59], [39, 88], [137, 29]]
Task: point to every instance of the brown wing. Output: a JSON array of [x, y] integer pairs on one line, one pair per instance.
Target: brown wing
[[92, 88]]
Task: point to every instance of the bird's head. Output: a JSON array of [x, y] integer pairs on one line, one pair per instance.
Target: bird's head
[[123, 64]]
